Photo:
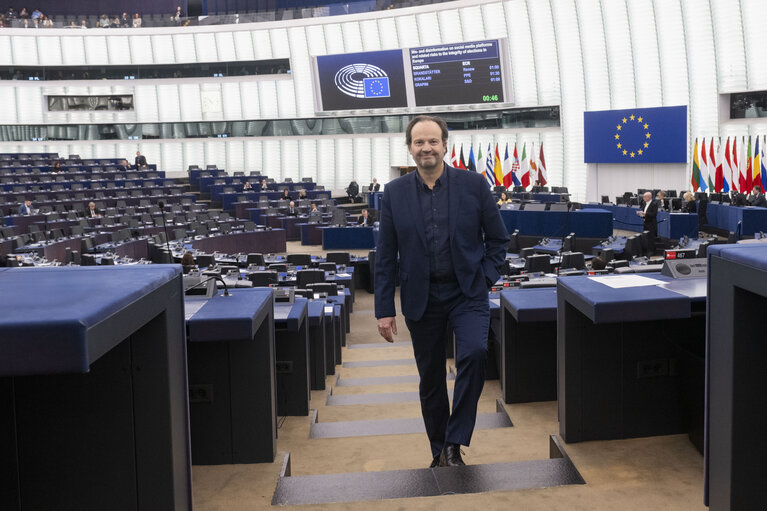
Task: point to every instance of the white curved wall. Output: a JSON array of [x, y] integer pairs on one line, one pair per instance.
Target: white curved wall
[[580, 54]]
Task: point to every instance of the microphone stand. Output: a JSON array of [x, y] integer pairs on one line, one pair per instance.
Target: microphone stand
[[165, 228]]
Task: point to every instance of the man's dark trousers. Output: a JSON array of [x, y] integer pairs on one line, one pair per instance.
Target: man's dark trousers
[[470, 320]]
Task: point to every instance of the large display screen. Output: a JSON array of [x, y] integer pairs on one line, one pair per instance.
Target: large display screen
[[373, 79], [471, 73], [457, 74]]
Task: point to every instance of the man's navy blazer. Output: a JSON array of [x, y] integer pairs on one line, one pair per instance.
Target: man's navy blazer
[[478, 240]]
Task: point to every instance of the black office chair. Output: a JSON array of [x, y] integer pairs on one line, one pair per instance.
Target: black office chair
[[257, 259], [88, 260], [304, 293], [328, 266], [513, 246], [263, 278], [331, 288], [538, 263], [338, 257], [526, 252], [279, 267], [568, 244], [574, 260], [204, 260], [299, 259], [633, 247], [306, 277]]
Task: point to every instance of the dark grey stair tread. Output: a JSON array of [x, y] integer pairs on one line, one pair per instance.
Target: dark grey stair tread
[[376, 399], [382, 380], [380, 363], [426, 482], [380, 344], [396, 426]]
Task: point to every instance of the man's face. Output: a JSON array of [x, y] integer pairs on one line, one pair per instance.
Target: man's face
[[365, 213], [28, 203], [647, 197], [426, 146], [292, 204]]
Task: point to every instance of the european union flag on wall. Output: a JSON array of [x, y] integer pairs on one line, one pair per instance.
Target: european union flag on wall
[[636, 135], [377, 87]]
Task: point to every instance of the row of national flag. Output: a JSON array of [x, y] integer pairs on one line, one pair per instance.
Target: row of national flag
[[735, 164], [508, 171]]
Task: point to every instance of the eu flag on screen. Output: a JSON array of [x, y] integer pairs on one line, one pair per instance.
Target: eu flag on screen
[[377, 87], [636, 135]]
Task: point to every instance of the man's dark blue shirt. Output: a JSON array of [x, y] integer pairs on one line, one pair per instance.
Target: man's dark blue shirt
[[434, 208]]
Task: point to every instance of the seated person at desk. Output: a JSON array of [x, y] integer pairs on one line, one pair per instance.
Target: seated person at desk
[[756, 197], [649, 214], [285, 194], [140, 160], [364, 219], [56, 166], [504, 199], [537, 187], [92, 212], [660, 198], [124, 165], [247, 187], [26, 208], [302, 194], [353, 190], [187, 262], [374, 186], [689, 203], [315, 216], [292, 210], [264, 185]]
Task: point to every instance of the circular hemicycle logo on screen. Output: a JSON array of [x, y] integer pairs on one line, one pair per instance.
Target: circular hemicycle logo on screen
[[362, 81]]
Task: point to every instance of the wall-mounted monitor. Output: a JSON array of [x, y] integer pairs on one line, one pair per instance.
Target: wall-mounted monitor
[[471, 73], [457, 74], [374, 79]]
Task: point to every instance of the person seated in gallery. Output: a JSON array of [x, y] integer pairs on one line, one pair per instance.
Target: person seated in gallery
[[504, 199], [302, 194], [292, 209], [247, 187], [286, 195]]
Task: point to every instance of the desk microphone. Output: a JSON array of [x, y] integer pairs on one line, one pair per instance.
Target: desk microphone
[[161, 204], [226, 288]]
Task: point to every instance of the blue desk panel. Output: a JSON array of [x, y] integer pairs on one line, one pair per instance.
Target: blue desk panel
[[229, 318], [340, 238], [531, 305], [670, 225], [752, 219], [47, 319], [604, 304], [584, 223]]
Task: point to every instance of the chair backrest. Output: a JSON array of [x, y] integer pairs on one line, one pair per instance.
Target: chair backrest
[[331, 288], [263, 278], [257, 259], [338, 257], [279, 267], [573, 260], [305, 277], [204, 260], [328, 266], [538, 262], [299, 259]]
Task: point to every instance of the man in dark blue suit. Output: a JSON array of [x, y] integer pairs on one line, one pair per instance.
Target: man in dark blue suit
[[445, 227]]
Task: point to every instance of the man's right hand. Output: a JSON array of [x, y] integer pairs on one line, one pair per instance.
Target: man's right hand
[[387, 328]]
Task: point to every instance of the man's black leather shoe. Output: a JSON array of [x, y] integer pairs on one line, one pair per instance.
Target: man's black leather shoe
[[435, 462], [451, 456]]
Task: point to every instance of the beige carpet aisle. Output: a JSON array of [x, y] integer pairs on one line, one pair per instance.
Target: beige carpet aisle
[[660, 473]]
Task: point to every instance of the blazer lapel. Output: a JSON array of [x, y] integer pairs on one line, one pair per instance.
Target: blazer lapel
[[415, 210], [453, 199]]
